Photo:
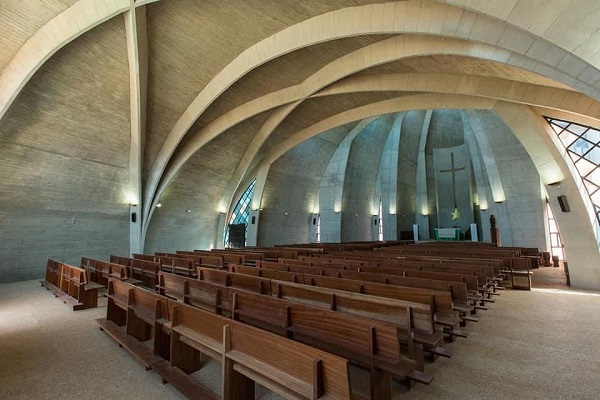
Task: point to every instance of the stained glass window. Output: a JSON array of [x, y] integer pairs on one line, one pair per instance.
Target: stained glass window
[[240, 213], [583, 146]]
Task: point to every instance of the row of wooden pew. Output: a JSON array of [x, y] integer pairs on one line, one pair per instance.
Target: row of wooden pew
[[181, 336], [70, 285], [382, 310]]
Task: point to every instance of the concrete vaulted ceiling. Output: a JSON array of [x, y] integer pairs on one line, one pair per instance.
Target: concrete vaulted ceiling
[[241, 83]]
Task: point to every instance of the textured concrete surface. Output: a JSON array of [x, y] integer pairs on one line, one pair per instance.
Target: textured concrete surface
[[536, 345], [64, 151]]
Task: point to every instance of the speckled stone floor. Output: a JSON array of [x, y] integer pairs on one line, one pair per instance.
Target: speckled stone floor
[[529, 345]]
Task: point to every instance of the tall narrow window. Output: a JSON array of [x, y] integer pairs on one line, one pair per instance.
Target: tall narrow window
[[583, 146], [318, 228], [380, 236], [241, 212], [556, 244]]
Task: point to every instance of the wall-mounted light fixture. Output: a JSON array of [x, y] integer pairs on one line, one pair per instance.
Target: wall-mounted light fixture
[[158, 205], [555, 184]]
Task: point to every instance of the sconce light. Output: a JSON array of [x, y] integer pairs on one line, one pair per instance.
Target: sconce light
[[555, 184], [158, 205]]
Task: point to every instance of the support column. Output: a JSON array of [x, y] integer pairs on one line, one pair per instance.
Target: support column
[[388, 176], [421, 204], [137, 53]]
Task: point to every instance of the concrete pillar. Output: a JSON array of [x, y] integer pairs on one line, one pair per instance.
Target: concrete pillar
[[422, 208]]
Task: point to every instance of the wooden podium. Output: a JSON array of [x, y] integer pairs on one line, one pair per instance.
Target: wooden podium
[[495, 236]]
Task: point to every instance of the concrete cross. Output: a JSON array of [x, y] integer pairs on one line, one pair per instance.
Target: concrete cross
[[453, 170]]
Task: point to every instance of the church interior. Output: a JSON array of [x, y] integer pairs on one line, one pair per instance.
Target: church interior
[[147, 128]]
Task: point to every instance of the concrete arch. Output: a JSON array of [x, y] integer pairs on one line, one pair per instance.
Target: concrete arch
[[56, 33], [414, 16]]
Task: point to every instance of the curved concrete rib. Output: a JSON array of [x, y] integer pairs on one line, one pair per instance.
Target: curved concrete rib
[[56, 33]]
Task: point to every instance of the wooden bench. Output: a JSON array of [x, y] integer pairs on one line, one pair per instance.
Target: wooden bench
[[145, 257], [279, 275], [372, 344], [250, 355], [409, 317], [208, 296], [142, 270], [519, 273], [226, 278], [441, 302], [70, 285], [101, 271], [227, 257], [180, 333], [205, 259], [180, 266]]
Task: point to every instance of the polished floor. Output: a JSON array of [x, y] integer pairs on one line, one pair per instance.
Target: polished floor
[[529, 345]]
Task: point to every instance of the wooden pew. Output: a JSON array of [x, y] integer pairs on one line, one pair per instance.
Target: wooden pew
[[457, 290], [279, 275], [226, 278], [181, 266], [146, 271], [409, 317], [101, 271], [70, 285], [145, 257], [444, 312], [443, 305], [251, 355], [272, 319], [228, 257], [180, 332], [341, 334], [519, 273], [208, 296]]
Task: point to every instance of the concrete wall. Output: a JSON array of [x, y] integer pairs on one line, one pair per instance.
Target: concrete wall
[[199, 187], [331, 188], [64, 157], [360, 180], [290, 192], [388, 178], [521, 217], [407, 168]]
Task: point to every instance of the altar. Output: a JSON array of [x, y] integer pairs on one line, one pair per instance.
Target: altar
[[446, 233]]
